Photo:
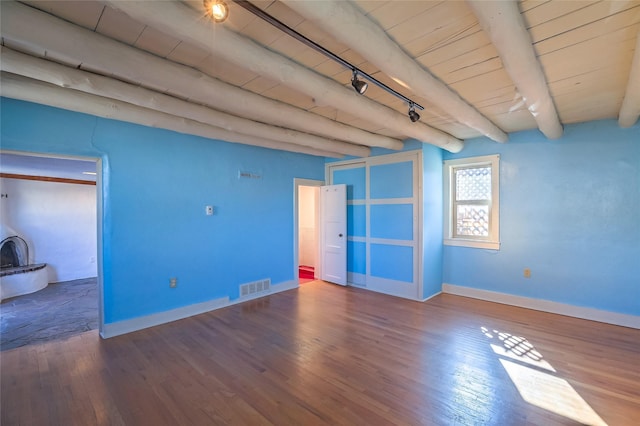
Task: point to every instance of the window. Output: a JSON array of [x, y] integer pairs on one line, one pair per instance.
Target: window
[[472, 208]]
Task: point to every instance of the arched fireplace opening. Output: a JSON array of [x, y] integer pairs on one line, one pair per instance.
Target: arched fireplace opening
[[14, 252]]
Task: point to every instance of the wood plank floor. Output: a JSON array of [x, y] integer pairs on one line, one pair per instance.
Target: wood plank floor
[[324, 354]]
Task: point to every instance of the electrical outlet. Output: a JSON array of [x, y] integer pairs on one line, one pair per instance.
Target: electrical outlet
[[208, 210], [527, 273], [173, 282]]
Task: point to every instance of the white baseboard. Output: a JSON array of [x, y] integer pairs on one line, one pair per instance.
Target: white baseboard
[[625, 320], [356, 280], [430, 297], [135, 324]]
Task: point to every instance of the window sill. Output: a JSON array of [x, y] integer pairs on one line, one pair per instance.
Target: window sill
[[491, 245]]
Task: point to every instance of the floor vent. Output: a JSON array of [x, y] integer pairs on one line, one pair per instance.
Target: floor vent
[[260, 286]]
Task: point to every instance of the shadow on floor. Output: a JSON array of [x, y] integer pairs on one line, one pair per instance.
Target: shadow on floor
[[54, 313]]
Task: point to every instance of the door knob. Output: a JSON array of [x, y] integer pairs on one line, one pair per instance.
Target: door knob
[[339, 235]]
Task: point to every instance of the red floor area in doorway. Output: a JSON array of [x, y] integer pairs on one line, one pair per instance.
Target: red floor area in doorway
[[306, 274]]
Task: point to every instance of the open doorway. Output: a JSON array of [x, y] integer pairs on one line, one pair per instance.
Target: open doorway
[[306, 230], [52, 204]]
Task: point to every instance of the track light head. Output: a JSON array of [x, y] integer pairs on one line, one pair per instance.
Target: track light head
[[413, 115], [216, 10], [359, 85]]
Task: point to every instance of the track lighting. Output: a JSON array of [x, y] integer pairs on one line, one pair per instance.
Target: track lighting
[[359, 85], [216, 9], [413, 115]]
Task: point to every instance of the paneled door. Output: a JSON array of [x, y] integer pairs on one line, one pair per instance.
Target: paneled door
[[333, 222]]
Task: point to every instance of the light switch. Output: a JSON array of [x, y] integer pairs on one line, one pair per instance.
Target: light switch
[[209, 210]]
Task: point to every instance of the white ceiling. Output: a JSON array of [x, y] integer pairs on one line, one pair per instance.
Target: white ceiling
[[31, 165], [583, 49]]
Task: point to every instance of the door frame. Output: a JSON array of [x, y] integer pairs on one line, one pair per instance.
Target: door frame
[[100, 201], [298, 182]]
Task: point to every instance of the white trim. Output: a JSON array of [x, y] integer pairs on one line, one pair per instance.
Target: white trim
[[390, 242], [391, 287], [493, 240], [297, 183], [592, 314], [139, 323], [461, 242], [430, 297], [357, 280]]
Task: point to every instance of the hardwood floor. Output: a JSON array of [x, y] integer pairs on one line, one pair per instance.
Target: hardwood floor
[[324, 354]]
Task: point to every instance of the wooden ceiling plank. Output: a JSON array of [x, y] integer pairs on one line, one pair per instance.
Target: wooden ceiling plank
[[84, 13], [462, 46], [443, 14], [629, 19], [552, 10], [526, 5], [394, 14], [479, 61], [119, 26], [483, 86], [613, 49], [581, 17], [447, 38]]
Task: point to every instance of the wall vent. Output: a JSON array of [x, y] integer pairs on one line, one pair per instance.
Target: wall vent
[[260, 286], [248, 175]]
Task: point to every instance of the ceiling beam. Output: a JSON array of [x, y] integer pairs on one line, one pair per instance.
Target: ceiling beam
[[630, 109], [46, 35], [343, 20], [504, 25], [176, 18], [66, 77], [26, 89]]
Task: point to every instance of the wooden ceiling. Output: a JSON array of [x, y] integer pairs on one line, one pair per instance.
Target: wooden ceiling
[[584, 50]]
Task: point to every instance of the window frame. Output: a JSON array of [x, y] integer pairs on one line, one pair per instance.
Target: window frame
[[492, 241]]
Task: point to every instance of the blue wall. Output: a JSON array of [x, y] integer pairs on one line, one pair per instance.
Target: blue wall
[[569, 211], [432, 227], [156, 185]]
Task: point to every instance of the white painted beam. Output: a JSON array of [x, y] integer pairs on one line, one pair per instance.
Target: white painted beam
[[65, 77], [78, 47], [25, 89], [343, 20], [630, 109], [175, 18], [504, 24]]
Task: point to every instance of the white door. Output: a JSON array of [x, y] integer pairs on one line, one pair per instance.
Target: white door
[[333, 222]]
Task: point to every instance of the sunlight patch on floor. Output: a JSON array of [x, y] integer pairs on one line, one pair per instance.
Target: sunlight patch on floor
[[532, 376]]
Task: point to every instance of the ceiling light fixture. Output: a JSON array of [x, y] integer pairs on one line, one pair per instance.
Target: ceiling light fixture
[[216, 10], [359, 85], [413, 115]]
